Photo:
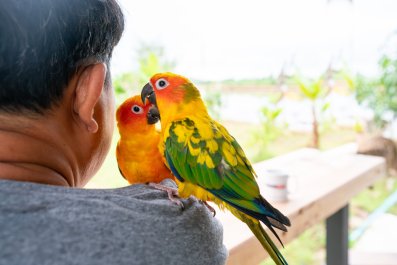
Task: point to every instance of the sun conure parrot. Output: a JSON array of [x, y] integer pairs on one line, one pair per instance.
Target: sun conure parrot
[[137, 152], [207, 161]]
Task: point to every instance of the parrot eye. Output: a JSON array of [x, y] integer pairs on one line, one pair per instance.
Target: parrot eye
[[136, 109], [161, 83]]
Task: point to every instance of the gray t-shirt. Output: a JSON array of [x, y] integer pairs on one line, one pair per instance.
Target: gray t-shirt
[[43, 224]]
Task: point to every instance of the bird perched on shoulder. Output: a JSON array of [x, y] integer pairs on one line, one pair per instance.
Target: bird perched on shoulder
[[207, 161], [137, 152]]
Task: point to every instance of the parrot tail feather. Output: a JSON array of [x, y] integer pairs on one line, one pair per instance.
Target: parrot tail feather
[[266, 241], [278, 215], [277, 224], [271, 217]]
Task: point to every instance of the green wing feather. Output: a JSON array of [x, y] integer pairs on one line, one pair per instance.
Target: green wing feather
[[211, 158], [205, 154]]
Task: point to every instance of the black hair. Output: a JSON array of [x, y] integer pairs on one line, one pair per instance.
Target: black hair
[[44, 42]]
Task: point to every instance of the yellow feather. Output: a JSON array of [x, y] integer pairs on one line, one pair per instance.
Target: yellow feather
[[212, 145], [192, 150], [205, 131], [195, 140], [181, 134], [202, 157], [209, 162], [229, 155]]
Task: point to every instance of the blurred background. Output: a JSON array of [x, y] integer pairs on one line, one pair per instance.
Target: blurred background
[[280, 75]]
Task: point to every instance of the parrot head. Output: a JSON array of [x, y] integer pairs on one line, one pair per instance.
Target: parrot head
[[133, 113], [172, 94]]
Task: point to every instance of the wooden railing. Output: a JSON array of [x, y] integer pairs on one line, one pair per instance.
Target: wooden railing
[[324, 184]]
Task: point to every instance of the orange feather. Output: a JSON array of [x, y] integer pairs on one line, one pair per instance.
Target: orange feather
[[137, 151]]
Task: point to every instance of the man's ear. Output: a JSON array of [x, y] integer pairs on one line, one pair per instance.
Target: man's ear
[[88, 91]]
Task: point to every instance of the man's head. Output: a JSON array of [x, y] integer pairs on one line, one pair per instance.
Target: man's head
[[45, 42], [54, 70]]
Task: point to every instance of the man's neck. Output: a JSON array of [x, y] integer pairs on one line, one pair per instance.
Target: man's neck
[[31, 173], [30, 152]]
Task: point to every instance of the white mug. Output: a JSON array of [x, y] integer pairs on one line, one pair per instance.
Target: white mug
[[275, 188]]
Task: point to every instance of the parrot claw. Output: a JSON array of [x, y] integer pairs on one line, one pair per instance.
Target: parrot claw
[[191, 197], [171, 192], [172, 196], [209, 207]]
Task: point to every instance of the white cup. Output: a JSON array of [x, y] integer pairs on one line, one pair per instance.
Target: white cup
[[276, 189]]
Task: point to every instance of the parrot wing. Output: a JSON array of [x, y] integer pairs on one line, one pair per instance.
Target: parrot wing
[[203, 153]]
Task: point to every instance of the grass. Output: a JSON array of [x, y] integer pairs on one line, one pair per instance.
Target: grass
[[370, 199]]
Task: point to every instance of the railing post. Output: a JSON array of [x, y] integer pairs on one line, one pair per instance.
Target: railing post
[[338, 237]]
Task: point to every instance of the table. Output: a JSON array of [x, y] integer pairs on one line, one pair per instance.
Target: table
[[324, 183]]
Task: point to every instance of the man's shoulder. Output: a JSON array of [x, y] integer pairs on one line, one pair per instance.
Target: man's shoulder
[[110, 226], [135, 199]]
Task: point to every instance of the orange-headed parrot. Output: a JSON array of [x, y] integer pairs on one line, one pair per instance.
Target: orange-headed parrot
[[137, 152], [207, 161]]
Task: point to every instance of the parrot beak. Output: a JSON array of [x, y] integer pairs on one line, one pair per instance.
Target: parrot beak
[[153, 115], [148, 93]]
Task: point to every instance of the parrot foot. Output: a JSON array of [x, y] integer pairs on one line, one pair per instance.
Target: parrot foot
[[209, 207], [171, 192]]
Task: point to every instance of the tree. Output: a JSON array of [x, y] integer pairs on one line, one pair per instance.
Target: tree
[[380, 94], [314, 90]]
